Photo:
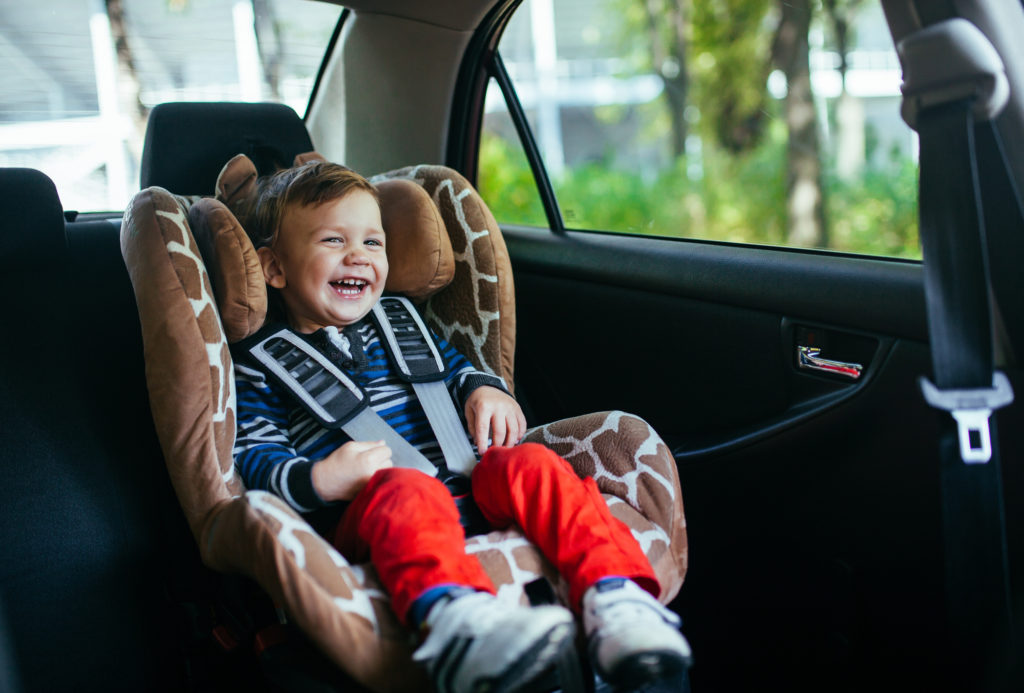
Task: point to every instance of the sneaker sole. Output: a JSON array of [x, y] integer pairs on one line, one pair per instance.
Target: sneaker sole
[[526, 671], [646, 668]]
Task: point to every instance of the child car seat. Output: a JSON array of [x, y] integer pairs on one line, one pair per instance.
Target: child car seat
[[189, 314]]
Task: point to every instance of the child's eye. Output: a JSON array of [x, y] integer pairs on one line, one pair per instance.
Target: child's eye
[[374, 241], [334, 239]]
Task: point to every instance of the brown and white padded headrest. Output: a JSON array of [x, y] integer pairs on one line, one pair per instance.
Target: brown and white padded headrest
[[420, 257]]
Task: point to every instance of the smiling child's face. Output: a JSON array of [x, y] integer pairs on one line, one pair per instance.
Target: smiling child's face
[[328, 261]]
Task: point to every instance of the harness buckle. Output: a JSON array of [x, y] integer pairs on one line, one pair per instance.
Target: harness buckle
[[971, 408]]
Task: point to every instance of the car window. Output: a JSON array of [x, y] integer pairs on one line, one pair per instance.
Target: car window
[[753, 121], [81, 77]]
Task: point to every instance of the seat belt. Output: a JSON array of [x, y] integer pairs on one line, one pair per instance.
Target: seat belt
[[330, 396], [336, 401], [953, 79]]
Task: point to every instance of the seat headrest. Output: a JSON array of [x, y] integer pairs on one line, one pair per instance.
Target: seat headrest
[[420, 256], [33, 228], [187, 144]]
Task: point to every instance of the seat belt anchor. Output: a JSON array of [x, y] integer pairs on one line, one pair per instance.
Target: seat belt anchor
[[972, 408]]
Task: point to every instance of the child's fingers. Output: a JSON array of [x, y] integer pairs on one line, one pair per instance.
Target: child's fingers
[[361, 446], [379, 455], [499, 429], [512, 431], [481, 427], [520, 426]]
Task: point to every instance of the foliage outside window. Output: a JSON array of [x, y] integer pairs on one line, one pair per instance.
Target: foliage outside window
[[84, 76], [750, 121]]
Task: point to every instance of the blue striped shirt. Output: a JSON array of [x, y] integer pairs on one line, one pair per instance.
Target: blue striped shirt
[[278, 441]]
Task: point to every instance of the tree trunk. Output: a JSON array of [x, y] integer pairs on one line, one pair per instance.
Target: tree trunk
[[668, 55], [804, 198]]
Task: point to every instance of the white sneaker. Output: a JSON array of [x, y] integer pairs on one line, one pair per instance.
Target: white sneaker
[[631, 638], [477, 644]]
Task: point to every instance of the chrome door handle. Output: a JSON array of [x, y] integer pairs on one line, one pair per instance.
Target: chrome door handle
[[808, 358]]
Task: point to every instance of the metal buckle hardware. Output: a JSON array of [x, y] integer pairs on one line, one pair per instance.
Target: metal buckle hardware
[[971, 408]]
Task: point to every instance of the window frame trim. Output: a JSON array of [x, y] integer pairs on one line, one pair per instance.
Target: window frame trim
[[332, 44], [545, 190]]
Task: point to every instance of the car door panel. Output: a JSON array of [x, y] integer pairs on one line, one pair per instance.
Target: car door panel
[[812, 499], [722, 350]]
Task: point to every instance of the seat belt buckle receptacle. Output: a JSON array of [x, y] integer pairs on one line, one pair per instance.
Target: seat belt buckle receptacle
[[971, 408]]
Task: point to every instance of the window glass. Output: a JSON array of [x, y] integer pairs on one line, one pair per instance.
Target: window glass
[[81, 77], [504, 176], [750, 121]]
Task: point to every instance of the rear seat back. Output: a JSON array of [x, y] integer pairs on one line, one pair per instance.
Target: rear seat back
[[83, 540]]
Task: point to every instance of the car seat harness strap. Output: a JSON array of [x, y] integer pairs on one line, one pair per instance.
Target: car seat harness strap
[[334, 400], [329, 395], [416, 357]]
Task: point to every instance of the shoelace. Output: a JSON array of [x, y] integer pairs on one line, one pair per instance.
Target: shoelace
[[633, 610]]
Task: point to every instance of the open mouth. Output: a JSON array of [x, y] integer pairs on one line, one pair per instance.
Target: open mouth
[[349, 288]]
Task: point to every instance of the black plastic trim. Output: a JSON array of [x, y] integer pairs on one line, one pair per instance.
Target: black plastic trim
[[877, 296], [518, 116], [328, 53], [829, 394]]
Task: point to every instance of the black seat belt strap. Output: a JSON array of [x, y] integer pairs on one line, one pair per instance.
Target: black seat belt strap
[[956, 280], [953, 78]]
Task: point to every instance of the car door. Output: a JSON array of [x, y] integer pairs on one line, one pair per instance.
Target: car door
[[783, 375]]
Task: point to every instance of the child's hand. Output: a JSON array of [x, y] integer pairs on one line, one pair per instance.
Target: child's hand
[[490, 413], [344, 473]]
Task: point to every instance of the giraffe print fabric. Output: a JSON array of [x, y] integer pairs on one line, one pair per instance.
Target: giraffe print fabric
[[476, 311], [340, 606]]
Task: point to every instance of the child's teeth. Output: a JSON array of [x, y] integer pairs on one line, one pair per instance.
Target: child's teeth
[[350, 286]]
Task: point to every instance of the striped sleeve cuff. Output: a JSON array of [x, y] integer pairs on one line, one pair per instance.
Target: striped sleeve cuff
[[293, 481], [472, 380]]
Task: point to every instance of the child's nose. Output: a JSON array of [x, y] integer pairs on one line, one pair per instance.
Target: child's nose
[[357, 257]]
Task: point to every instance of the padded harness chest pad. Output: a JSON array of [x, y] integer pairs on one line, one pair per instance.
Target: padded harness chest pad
[[323, 389], [410, 347]]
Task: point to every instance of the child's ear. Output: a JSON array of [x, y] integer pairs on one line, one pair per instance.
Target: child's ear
[[273, 273]]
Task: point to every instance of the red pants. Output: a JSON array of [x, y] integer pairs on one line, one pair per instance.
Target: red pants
[[407, 525]]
